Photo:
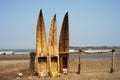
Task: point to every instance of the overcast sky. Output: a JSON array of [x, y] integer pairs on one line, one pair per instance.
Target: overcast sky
[[91, 22]]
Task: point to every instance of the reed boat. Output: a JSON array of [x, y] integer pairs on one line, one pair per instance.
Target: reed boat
[[53, 49], [41, 48], [64, 45]]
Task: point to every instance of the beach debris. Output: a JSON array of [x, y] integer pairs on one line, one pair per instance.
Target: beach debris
[[29, 77], [19, 74], [18, 78], [43, 74], [54, 74], [65, 71]]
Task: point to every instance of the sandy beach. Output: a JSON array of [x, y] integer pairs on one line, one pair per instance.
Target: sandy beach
[[91, 69]]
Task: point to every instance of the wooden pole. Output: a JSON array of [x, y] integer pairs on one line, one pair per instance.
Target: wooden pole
[[79, 63], [112, 61], [32, 63]]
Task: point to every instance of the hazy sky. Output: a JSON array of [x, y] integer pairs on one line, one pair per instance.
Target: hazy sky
[[91, 22]]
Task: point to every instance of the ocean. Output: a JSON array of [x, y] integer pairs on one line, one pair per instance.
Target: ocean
[[72, 56], [16, 51]]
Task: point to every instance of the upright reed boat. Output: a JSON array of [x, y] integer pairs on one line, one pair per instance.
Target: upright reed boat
[[41, 48], [53, 49], [64, 45]]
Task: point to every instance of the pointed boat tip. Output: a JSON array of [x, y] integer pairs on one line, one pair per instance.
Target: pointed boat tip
[[66, 13], [55, 17], [40, 12]]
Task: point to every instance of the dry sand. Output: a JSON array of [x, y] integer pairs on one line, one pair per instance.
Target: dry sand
[[91, 69]]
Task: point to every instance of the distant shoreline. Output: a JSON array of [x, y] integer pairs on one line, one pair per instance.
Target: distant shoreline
[[71, 47]]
